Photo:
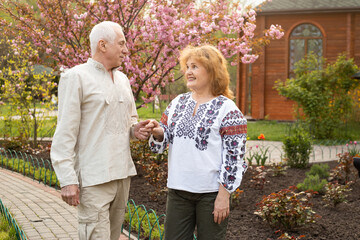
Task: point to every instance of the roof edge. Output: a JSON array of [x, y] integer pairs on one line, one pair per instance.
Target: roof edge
[[308, 11]]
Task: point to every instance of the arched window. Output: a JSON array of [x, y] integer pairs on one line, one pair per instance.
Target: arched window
[[304, 38]]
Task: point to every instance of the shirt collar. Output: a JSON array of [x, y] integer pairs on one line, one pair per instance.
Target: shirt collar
[[96, 64]]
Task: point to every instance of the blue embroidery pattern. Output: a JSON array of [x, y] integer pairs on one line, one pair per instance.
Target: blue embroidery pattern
[[233, 128], [203, 130], [183, 124], [232, 140]]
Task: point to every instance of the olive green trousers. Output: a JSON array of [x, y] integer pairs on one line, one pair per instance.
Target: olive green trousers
[[185, 211]]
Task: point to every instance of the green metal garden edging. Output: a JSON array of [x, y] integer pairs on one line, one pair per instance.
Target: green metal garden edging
[[41, 170], [20, 235]]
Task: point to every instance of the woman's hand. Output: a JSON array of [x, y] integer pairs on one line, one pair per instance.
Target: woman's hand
[[222, 205], [156, 130]]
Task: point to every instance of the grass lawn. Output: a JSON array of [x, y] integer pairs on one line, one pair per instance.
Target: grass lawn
[[47, 130], [272, 130], [151, 113]]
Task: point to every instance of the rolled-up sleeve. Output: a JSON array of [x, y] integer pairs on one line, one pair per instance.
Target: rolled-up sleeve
[[67, 129]]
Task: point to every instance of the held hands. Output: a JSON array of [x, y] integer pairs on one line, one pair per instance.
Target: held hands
[[141, 132], [156, 131], [222, 205], [143, 129], [70, 194]]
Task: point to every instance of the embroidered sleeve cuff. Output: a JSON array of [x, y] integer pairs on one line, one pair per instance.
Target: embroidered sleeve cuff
[[226, 187], [156, 146]]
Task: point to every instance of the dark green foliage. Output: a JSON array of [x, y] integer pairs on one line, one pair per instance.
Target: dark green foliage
[[314, 183], [32, 168], [144, 222], [319, 169], [321, 92], [297, 148], [7, 231]]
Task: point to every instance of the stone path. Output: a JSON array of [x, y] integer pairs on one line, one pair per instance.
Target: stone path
[[38, 209], [275, 152]]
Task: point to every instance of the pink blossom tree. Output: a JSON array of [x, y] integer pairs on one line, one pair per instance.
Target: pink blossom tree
[[156, 30]]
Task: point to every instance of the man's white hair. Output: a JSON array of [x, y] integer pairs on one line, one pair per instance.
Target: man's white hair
[[103, 31]]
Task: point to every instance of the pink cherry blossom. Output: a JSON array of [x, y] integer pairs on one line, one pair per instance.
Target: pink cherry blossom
[[156, 32]]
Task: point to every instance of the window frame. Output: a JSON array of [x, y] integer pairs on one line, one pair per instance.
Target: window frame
[[288, 38]]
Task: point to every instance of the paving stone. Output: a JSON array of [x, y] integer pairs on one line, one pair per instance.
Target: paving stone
[[38, 209]]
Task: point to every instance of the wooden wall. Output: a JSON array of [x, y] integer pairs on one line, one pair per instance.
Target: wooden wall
[[339, 31]]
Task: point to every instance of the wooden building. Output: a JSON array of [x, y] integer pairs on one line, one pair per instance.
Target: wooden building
[[326, 27]]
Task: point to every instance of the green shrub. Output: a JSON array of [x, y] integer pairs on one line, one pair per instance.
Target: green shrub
[[12, 144], [321, 92], [279, 169], [152, 166], [314, 183], [319, 169], [335, 193], [7, 232], [30, 170], [286, 209], [148, 222], [298, 148], [344, 171]]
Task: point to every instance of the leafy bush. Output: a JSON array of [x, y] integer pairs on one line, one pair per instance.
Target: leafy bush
[[27, 89], [279, 169], [286, 209], [319, 169], [258, 178], [344, 171], [314, 183], [144, 222], [297, 148], [12, 144], [288, 236], [335, 193], [321, 93], [29, 169], [7, 232], [152, 166]]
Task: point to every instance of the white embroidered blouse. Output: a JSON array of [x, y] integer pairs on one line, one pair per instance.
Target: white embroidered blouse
[[205, 149]]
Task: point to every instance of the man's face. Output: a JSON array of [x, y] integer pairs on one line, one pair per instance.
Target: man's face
[[117, 50]]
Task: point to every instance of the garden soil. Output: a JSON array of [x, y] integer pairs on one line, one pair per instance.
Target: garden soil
[[336, 223]]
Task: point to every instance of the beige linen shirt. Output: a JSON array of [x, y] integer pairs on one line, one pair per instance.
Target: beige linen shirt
[[91, 144]]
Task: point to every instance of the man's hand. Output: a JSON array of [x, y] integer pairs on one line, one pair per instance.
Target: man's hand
[[157, 131], [70, 194], [141, 131], [222, 205]]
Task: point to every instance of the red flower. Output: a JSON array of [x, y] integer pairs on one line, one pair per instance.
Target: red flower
[[261, 137]]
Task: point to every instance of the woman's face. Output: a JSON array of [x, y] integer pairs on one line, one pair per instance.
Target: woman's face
[[198, 78]]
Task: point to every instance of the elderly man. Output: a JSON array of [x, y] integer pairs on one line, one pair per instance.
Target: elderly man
[[91, 146]]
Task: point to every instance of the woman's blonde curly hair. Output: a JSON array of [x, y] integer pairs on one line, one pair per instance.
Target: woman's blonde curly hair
[[216, 65]]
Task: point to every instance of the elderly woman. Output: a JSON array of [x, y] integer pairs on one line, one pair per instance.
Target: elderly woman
[[206, 134]]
